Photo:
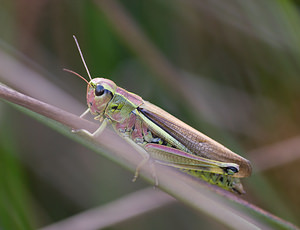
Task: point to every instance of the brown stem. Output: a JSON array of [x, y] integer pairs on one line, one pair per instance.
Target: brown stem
[[195, 193]]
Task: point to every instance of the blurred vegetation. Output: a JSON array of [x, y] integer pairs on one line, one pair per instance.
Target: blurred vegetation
[[236, 78]]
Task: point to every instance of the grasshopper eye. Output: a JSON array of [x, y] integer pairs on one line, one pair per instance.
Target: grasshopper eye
[[99, 90]]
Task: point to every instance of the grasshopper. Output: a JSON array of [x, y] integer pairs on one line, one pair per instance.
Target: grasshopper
[[159, 136]]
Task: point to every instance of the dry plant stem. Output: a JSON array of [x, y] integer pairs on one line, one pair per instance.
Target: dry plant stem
[[19, 76], [67, 119], [44, 109], [14, 72], [125, 208], [193, 192]]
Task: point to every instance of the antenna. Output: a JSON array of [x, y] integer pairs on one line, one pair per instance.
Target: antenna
[[87, 70], [71, 71]]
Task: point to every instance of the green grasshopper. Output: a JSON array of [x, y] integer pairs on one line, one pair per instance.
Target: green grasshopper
[[159, 136]]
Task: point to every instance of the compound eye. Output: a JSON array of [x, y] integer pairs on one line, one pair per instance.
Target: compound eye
[[99, 90]]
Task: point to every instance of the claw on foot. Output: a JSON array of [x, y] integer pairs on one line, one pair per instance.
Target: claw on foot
[[75, 130], [136, 175], [153, 171], [82, 131]]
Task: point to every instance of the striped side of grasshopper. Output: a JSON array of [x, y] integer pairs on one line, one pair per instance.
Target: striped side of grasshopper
[[161, 137]]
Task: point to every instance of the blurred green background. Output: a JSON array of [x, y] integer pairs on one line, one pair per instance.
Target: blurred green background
[[228, 68]]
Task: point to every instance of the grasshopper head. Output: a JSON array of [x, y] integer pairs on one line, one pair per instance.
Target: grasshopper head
[[99, 93]]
